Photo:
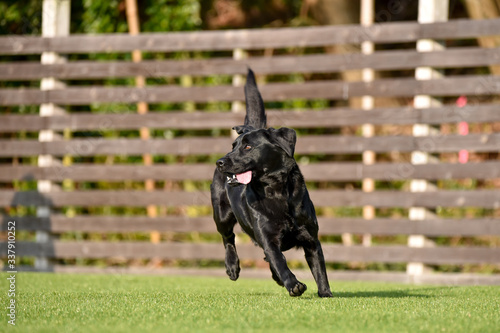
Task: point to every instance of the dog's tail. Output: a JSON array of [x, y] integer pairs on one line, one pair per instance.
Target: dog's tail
[[256, 114]]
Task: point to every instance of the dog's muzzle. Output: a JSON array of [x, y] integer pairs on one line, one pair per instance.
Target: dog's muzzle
[[233, 179]]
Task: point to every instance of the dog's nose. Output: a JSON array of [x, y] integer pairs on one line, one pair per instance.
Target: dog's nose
[[220, 163]]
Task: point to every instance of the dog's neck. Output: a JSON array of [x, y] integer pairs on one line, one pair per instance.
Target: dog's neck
[[274, 184]]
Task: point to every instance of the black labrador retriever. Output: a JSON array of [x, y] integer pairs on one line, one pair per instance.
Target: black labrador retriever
[[259, 185]]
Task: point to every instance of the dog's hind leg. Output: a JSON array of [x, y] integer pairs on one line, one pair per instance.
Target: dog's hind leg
[[316, 262], [225, 222]]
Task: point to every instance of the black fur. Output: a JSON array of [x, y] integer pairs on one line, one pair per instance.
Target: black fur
[[256, 114], [274, 208]]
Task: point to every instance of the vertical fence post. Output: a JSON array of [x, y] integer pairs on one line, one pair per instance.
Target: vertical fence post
[[367, 103], [142, 108], [238, 106], [484, 10], [55, 23], [238, 80], [428, 12]]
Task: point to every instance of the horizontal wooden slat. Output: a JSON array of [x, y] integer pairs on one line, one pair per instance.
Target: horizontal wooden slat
[[315, 63], [400, 171], [207, 120], [323, 144], [328, 226], [395, 254], [312, 172], [96, 172], [433, 227], [336, 198], [104, 198], [477, 85], [60, 223], [476, 198], [197, 251], [250, 39], [96, 146]]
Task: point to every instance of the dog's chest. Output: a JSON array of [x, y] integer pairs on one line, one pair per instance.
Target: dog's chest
[[260, 215]]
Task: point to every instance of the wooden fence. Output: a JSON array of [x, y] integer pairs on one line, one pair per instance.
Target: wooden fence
[[330, 161]]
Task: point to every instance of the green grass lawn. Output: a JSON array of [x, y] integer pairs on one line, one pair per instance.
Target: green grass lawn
[[124, 303]]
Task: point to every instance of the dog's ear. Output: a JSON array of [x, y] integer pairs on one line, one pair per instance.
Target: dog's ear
[[284, 138], [242, 129]]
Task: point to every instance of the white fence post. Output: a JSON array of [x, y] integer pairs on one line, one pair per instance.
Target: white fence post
[[55, 22], [238, 80], [428, 12], [367, 103]]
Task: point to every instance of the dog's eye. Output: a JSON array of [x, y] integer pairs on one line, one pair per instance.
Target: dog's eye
[[247, 147]]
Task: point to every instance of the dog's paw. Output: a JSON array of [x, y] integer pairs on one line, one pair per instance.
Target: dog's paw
[[232, 263], [298, 289], [326, 293], [233, 272]]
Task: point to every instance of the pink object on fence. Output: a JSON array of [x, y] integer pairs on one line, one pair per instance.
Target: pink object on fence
[[463, 129], [461, 101]]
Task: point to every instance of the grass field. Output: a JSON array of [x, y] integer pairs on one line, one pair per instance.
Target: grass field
[[118, 303]]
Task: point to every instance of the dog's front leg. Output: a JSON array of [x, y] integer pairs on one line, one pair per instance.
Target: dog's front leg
[[225, 222], [278, 264], [232, 261]]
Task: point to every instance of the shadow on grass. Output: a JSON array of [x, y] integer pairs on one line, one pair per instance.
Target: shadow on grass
[[419, 293], [382, 294], [409, 293]]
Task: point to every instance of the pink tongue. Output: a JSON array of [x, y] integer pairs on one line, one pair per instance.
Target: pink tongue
[[244, 177]]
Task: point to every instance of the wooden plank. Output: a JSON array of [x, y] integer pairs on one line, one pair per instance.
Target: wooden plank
[[96, 172], [281, 64], [478, 85], [387, 227], [250, 39], [399, 171], [326, 198], [328, 226], [123, 224], [97, 146], [399, 254], [199, 251], [480, 113], [105, 198], [323, 144], [448, 279], [326, 171], [485, 199], [125, 121], [173, 251]]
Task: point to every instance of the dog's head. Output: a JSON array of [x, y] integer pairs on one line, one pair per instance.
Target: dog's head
[[258, 152]]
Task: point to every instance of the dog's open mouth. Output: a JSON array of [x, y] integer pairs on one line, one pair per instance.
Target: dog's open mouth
[[241, 178]]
